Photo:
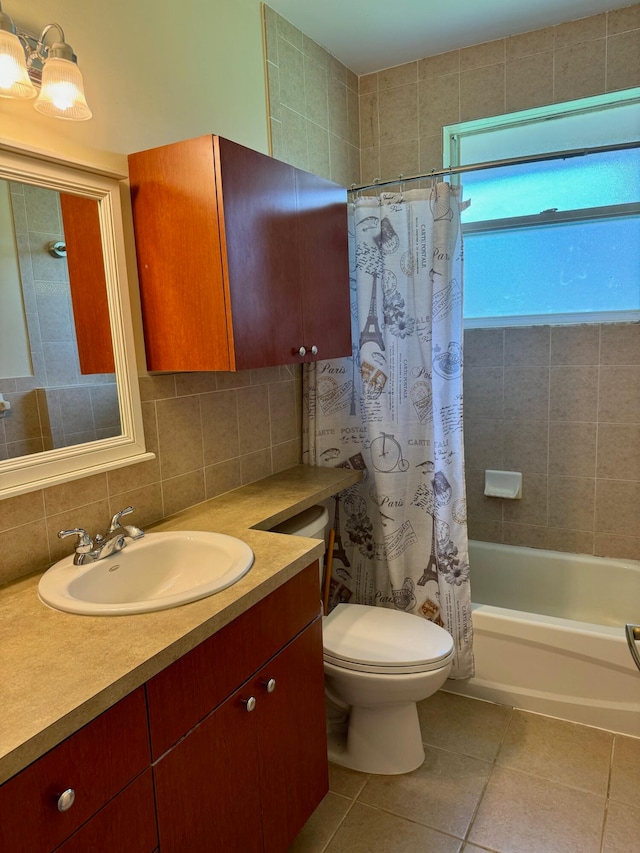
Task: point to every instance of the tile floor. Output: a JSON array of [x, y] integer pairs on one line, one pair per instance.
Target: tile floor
[[495, 778]]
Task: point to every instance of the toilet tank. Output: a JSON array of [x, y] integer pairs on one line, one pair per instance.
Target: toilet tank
[[312, 523]]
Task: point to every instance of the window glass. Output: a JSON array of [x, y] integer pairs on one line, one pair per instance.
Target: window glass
[[555, 240], [591, 181], [576, 268]]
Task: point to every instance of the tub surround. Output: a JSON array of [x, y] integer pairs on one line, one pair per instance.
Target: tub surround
[[59, 670]]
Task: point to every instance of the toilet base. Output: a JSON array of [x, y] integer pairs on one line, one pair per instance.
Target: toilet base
[[385, 740]]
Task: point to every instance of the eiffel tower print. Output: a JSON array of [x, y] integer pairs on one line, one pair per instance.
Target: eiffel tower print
[[431, 572], [371, 331], [338, 549], [352, 409]]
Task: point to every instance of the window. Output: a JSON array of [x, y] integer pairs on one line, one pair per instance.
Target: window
[[557, 240]]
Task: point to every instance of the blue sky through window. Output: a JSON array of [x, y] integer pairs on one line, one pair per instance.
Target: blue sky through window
[[570, 268]]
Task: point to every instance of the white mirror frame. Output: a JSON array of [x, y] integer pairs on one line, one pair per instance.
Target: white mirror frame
[[50, 467]]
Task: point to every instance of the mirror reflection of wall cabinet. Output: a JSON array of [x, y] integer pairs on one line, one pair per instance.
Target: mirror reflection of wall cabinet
[[81, 224], [242, 259], [74, 406]]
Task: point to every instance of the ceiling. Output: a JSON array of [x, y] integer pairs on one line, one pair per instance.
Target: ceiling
[[367, 35]]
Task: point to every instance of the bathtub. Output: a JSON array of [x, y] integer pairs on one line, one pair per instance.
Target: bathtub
[[549, 634]]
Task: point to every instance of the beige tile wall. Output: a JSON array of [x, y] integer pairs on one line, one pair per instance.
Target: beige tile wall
[[313, 104], [561, 404], [403, 109], [212, 432]]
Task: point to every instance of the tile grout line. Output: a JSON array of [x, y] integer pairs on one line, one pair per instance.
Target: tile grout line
[[337, 829], [494, 764], [607, 796]]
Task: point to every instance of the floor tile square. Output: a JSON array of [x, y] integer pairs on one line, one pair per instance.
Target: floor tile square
[[317, 831], [621, 829], [461, 724], [525, 814], [564, 752], [347, 782], [442, 794], [625, 771], [366, 829]]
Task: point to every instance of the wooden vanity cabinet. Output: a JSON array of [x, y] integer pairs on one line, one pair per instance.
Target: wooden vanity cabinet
[[242, 259], [98, 762], [244, 777], [182, 764]]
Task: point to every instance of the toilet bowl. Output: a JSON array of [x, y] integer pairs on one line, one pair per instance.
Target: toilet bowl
[[378, 664]]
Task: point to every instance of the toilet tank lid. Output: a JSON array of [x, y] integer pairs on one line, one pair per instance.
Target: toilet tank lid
[[311, 522], [368, 634]]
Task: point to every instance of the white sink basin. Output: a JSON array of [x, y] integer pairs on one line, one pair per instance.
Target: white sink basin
[[156, 572]]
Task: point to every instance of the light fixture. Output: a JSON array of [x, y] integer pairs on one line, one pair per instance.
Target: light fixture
[[26, 59]]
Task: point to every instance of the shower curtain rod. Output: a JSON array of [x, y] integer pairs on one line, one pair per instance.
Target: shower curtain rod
[[493, 164]]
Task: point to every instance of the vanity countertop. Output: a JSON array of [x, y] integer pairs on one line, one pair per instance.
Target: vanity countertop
[[58, 671]]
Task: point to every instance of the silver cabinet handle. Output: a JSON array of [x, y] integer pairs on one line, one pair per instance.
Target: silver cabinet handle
[[66, 800], [249, 703], [302, 352], [270, 685], [633, 635], [314, 350]]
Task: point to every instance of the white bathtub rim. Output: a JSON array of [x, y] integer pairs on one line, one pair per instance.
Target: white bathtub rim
[[583, 640], [562, 556], [572, 626]]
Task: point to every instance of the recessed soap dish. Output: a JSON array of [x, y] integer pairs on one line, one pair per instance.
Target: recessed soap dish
[[503, 484]]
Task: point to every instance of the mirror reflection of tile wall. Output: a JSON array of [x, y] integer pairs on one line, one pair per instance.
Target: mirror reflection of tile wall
[[57, 406]]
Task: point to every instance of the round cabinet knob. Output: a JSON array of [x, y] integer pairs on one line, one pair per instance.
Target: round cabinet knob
[[249, 703], [66, 800], [314, 350], [302, 352], [270, 685]]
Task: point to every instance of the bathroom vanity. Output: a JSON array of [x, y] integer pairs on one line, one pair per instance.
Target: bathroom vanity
[[199, 728]]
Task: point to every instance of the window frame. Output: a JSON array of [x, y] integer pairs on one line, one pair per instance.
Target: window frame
[[453, 136]]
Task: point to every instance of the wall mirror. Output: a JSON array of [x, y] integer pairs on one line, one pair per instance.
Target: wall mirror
[[69, 398]]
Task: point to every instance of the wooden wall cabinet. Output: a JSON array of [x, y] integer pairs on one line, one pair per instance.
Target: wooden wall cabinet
[[188, 767], [242, 259]]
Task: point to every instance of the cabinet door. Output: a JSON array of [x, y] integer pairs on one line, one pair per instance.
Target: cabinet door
[[324, 266], [127, 824], [98, 761], [175, 214], [183, 694], [292, 739], [207, 790], [260, 233]]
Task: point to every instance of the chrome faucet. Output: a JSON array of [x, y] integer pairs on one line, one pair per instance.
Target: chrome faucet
[[89, 550]]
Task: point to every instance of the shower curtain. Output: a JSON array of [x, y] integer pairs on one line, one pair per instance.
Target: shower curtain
[[394, 411]]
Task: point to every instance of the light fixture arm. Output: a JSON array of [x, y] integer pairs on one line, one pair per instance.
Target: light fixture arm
[[28, 61], [59, 49]]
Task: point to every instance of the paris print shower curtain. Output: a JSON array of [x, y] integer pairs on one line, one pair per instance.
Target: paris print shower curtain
[[394, 411]]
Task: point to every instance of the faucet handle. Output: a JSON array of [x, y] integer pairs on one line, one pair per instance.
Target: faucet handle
[[115, 521], [84, 544]]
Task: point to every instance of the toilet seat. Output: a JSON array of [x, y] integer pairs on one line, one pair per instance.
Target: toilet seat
[[364, 638]]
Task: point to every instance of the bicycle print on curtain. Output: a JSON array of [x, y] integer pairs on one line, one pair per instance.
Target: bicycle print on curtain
[[394, 410]]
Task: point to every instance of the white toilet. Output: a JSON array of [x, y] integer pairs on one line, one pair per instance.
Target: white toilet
[[378, 663]]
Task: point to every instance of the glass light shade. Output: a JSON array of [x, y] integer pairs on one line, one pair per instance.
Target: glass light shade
[[62, 92], [14, 80]]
